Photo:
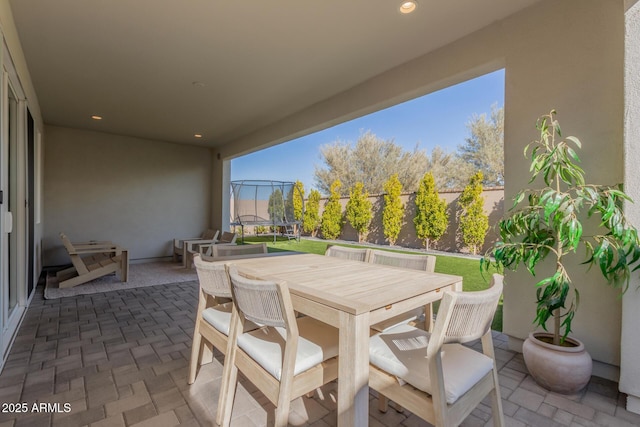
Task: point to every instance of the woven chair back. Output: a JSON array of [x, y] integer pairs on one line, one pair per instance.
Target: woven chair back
[[410, 261], [260, 301], [213, 277], [237, 250], [355, 254], [466, 316]]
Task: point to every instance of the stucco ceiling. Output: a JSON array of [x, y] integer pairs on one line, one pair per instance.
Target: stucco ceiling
[[255, 61]]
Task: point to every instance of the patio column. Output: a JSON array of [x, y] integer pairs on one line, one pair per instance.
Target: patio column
[[220, 189], [630, 339]]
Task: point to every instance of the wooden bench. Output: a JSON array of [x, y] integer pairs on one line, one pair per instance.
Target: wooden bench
[[92, 260]]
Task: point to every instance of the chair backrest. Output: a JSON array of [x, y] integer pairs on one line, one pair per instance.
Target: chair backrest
[[228, 237], [465, 316], [210, 234], [263, 302], [67, 243], [356, 254], [213, 277], [411, 261], [237, 250]]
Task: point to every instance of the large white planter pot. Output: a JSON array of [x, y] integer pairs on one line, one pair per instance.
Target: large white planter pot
[[561, 369]]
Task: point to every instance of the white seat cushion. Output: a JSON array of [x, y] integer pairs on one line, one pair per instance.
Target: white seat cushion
[[219, 317], [317, 343], [402, 352]]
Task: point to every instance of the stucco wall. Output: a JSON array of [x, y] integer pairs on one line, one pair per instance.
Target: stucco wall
[[569, 56], [135, 192], [566, 55], [630, 340]]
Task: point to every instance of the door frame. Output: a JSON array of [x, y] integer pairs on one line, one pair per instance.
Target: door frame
[[10, 320]]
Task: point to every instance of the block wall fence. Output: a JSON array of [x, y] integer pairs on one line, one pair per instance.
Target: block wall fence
[[450, 242]]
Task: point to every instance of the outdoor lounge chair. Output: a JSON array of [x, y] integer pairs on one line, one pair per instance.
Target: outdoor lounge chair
[[182, 247], [92, 260], [227, 238], [433, 375], [285, 359]]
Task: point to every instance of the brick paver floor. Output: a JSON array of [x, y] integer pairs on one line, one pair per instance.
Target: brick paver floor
[[120, 359]]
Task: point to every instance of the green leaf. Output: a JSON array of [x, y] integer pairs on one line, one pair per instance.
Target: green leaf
[[518, 198], [576, 141]]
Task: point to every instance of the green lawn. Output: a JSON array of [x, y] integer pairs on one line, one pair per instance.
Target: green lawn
[[469, 269]]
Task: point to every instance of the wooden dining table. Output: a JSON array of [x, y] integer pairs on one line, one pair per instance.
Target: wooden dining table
[[351, 296]]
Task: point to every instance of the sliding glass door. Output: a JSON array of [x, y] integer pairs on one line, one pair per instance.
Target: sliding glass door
[[15, 227]]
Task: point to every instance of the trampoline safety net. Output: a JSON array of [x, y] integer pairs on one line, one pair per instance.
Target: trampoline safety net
[[266, 203]]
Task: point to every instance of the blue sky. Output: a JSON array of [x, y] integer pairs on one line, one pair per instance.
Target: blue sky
[[438, 118]]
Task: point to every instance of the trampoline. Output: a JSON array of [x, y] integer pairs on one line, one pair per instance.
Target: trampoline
[[266, 203]]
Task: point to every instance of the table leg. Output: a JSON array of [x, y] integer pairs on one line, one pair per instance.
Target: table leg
[[353, 371], [428, 317]]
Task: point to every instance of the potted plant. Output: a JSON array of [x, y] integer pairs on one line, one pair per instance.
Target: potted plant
[[547, 224]]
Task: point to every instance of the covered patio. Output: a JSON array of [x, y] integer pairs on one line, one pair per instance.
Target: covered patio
[[119, 122], [121, 359]]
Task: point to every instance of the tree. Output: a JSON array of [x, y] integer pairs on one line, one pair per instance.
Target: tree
[[311, 216], [431, 220], [298, 200], [294, 203], [473, 222], [331, 226], [358, 210], [549, 224], [483, 150], [393, 211], [370, 161], [276, 206]]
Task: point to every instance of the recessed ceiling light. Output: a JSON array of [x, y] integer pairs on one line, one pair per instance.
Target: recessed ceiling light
[[96, 117], [408, 6], [197, 135]]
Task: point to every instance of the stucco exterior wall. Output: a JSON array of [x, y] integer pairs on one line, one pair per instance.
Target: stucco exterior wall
[[564, 55], [568, 57], [630, 339], [131, 191]]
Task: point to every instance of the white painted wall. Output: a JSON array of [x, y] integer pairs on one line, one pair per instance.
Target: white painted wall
[[566, 55], [630, 339], [137, 193]]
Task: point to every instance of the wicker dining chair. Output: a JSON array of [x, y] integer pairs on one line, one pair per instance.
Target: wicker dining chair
[[409, 261], [213, 315], [218, 251], [285, 359], [433, 375], [402, 260], [356, 254]]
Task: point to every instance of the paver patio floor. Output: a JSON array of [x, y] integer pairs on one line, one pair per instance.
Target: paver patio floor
[[121, 359]]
